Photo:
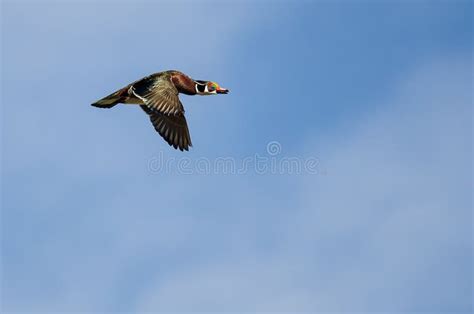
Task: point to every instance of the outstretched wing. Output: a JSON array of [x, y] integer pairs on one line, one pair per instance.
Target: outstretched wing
[[158, 93], [173, 128]]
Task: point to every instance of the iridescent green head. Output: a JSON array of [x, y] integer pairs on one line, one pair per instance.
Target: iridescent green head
[[209, 88]]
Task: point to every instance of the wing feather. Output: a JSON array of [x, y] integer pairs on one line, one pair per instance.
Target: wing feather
[[173, 128], [159, 94]]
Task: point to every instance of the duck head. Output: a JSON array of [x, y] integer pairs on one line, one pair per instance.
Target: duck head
[[209, 88]]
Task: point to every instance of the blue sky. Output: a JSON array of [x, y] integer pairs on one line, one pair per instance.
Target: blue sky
[[379, 92]]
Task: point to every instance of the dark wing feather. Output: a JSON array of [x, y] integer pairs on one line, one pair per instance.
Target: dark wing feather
[[159, 94], [173, 129]]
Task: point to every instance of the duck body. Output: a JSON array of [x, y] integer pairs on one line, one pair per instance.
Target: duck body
[[157, 94]]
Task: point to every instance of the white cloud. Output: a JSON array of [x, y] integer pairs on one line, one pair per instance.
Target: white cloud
[[396, 199], [386, 229]]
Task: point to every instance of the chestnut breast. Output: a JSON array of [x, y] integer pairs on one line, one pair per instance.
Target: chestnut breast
[[183, 83]]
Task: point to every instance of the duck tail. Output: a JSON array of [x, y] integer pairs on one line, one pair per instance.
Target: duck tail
[[109, 101]]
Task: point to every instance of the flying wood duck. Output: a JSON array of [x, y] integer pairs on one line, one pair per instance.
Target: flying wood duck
[[157, 95]]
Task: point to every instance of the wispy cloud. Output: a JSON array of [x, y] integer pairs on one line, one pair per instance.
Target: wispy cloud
[[87, 227], [387, 229]]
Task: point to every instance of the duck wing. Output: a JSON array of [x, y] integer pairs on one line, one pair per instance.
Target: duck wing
[[158, 93], [166, 112], [173, 128]]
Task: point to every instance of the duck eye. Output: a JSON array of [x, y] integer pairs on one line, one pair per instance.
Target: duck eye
[[212, 87]]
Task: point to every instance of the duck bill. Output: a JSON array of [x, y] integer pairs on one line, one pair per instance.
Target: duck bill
[[222, 91]]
